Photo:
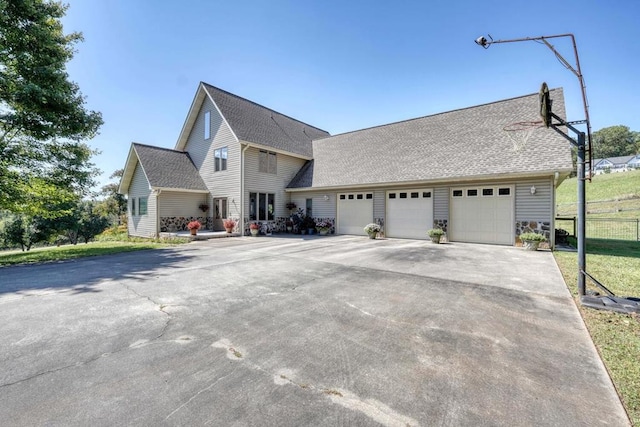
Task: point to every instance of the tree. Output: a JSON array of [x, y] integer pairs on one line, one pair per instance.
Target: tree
[[615, 141], [91, 223], [42, 113], [114, 204]]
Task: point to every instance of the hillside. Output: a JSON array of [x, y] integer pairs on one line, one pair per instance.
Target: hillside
[[615, 195]]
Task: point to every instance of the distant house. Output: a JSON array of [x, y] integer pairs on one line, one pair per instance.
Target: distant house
[[616, 164], [456, 170]]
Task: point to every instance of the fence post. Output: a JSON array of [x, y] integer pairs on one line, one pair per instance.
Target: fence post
[[637, 229]]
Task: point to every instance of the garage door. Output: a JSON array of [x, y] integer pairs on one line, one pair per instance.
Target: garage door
[[409, 213], [482, 215], [355, 210]]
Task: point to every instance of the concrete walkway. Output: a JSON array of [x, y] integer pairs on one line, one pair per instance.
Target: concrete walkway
[[292, 331]]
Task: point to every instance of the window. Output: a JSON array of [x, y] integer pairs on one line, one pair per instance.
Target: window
[[487, 191], [369, 196], [220, 207], [261, 206], [392, 195], [504, 191], [426, 194], [142, 206], [267, 162], [133, 207], [457, 193], [403, 195], [309, 206], [472, 193], [350, 196], [220, 159], [342, 197], [359, 197], [414, 195], [207, 125]]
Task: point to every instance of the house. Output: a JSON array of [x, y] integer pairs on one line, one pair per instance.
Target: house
[[457, 170], [616, 164]]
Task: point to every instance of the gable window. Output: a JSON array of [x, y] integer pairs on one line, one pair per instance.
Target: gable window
[[133, 206], [207, 125], [142, 206], [261, 206], [267, 162], [220, 159]]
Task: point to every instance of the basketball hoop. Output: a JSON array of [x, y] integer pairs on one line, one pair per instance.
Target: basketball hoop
[[520, 132]]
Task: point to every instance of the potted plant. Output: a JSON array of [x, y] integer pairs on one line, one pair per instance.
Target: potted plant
[[323, 227], [203, 207], [532, 240], [229, 225], [194, 226], [309, 224], [289, 225], [436, 234], [291, 206], [372, 230], [254, 227]]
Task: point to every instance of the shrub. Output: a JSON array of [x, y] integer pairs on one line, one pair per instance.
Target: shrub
[[229, 223], [535, 237], [372, 228], [435, 232]]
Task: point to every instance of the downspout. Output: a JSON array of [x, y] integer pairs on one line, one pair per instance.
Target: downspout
[[157, 193], [241, 222]]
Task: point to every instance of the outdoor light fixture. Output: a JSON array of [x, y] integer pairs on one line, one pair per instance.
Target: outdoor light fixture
[[533, 189]]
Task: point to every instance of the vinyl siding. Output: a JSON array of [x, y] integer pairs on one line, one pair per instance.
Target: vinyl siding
[[175, 204], [441, 203], [141, 225], [379, 205], [222, 183], [260, 182], [539, 206], [321, 208]]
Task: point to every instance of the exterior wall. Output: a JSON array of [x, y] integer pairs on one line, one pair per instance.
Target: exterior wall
[[177, 209], [141, 225], [534, 212], [222, 183], [259, 182], [441, 207]]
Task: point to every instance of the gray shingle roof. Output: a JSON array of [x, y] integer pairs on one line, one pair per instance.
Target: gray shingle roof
[[615, 160], [304, 177], [166, 168], [252, 122], [463, 143]]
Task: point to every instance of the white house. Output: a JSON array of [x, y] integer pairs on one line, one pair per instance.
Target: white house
[[456, 170]]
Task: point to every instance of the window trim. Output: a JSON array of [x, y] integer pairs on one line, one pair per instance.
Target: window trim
[[256, 206], [220, 159], [207, 125]]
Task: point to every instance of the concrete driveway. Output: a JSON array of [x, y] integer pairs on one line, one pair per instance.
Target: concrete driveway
[[290, 331]]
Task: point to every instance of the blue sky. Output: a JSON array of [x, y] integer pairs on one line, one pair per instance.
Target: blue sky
[[342, 65]]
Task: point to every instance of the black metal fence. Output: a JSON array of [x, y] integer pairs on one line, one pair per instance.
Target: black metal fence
[[603, 228]]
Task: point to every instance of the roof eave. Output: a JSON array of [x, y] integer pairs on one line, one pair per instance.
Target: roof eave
[[446, 180], [129, 169], [182, 190], [275, 150]]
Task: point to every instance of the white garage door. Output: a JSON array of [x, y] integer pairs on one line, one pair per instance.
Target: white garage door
[[355, 210], [409, 213], [482, 215]]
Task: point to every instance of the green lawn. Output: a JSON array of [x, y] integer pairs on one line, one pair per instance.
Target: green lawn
[[74, 251], [617, 336]]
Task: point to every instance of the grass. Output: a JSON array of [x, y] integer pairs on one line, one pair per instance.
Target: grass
[[616, 264], [109, 242], [614, 195]]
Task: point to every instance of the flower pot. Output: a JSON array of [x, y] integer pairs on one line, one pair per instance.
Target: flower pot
[[373, 234], [531, 245], [254, 232], [323, 232], [194, 231], [229, 230], [436, 239], [289, 229]]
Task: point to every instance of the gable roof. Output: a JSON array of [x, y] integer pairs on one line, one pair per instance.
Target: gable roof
[[619, 160], [456, 145], [254, 123], [164, 169]]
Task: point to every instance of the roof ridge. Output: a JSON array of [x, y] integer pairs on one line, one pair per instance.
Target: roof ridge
[[157, 148], [434, 115], [262, 106]]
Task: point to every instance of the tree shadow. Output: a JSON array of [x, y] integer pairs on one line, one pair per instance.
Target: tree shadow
[[620, 248], [81, 275]]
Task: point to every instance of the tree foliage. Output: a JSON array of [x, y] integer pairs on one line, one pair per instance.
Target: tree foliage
[[43, 118], [114, 204], [615, 141]]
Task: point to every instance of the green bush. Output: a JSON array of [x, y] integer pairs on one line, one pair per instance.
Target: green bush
[[534, 237]]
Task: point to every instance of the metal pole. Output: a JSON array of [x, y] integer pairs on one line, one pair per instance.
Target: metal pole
[[582, 258]]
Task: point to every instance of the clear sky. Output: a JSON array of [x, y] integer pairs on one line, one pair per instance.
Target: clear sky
[[342, 65]]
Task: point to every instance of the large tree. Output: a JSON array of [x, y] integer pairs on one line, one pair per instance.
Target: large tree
[[43, 119], [615, 141]]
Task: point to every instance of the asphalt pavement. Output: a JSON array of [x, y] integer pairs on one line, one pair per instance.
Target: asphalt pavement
[[292, 331]]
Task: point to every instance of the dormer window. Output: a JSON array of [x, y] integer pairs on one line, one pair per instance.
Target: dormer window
[[207, 125]]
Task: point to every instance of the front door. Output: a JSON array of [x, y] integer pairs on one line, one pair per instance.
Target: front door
[[219, 212]]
